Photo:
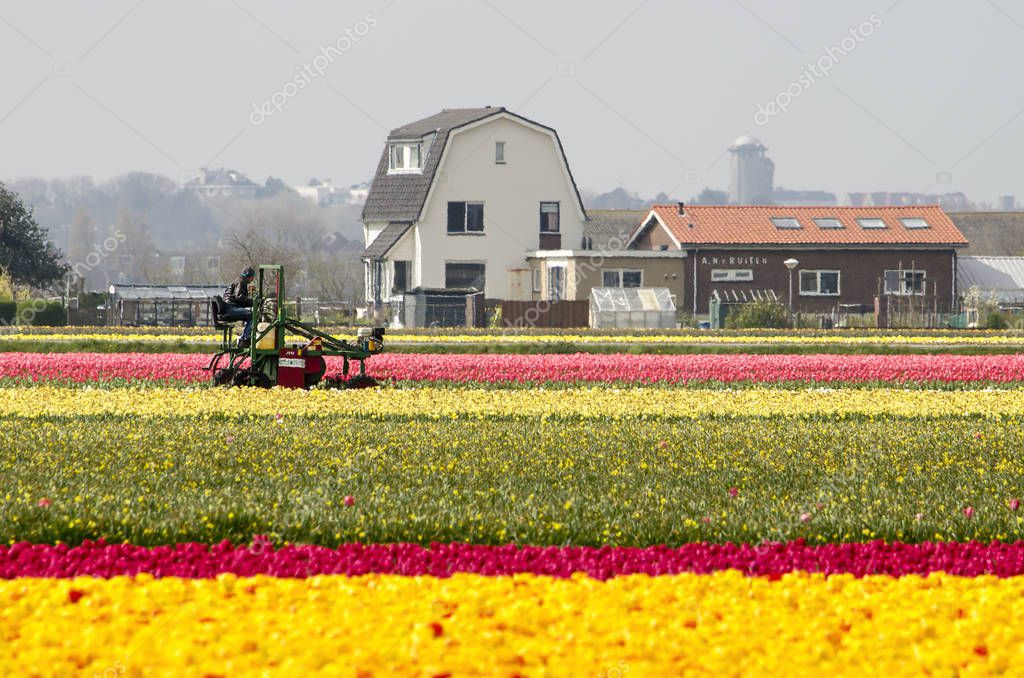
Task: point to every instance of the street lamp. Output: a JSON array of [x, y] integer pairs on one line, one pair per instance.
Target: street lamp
[[110, 303], [791, 263]]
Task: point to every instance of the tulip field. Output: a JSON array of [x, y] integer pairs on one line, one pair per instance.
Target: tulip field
[[515, 514], [551, 369]]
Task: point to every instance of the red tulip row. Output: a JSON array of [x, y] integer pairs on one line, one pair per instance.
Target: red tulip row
[[491, 368], [194, 560]]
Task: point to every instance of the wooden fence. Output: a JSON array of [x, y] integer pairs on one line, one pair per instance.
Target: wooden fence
[[552, 314]]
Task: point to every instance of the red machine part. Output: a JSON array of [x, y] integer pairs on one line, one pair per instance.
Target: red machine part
[[296, 369]]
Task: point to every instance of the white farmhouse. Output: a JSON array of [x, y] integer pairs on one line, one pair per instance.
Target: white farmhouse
[[459, 200]]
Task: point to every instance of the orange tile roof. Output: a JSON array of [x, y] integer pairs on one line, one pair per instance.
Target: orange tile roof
[[752, 225]]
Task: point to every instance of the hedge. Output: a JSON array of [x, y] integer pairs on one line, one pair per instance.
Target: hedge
[[39, 312]]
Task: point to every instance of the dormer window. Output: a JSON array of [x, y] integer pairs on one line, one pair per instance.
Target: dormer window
[[405, 156]]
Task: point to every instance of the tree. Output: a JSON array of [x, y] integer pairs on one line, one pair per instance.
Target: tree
[[147, 265], [81, 235], [25, 254], [710, 196]]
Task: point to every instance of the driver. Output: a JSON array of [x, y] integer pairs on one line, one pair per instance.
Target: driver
[[239, 303]]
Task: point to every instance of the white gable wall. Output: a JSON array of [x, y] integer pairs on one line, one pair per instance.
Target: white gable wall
[[511, 193]]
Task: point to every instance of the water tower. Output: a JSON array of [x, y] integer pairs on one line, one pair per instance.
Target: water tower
[[751, 173]]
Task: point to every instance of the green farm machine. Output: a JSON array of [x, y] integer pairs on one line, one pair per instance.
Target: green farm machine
[[269, 361]]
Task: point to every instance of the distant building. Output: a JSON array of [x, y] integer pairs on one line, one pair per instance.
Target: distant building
[[326, 193], [783, 196], [222, 183], [951, 202], [357, 193], [751, 172], [1007, 203], [319, 192], [1000, 277]]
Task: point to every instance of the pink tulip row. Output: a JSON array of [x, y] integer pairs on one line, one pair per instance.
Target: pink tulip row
[[194, 560], [491, 368]]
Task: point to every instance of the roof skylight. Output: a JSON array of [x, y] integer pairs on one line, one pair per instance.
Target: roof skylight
[[871, 223], [785, 222], [828, 222]]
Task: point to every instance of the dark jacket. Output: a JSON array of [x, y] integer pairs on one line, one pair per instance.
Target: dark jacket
[[237, 294]]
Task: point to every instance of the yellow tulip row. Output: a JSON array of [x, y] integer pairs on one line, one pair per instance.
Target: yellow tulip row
[[718, 624], [480, 402], [709, 339]]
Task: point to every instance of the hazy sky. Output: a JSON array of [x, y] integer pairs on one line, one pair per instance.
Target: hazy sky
[[644, 94]]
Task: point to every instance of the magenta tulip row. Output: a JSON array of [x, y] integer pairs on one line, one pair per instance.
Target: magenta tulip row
[[194, 560], [491, 368]]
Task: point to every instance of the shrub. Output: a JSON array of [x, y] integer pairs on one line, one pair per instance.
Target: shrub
[[8, 309], [41, 312], [996, 321], [758, 314]]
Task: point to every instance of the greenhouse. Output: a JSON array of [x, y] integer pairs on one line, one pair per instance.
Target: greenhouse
[[632, 308]]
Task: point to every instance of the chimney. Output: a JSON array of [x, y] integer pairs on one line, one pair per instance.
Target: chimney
[[681, 206]]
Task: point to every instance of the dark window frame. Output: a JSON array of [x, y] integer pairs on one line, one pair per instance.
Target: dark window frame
[[818, 273], [464, 266], [465, 217], [909, 282], [406, 266], [545, 226]]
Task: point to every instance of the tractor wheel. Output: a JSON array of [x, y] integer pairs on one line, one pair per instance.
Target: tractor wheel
[[250, 378], [362, 381], [332, 382], [224, 376]]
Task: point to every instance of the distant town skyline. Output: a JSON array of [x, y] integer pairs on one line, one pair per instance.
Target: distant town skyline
[[891, 96]]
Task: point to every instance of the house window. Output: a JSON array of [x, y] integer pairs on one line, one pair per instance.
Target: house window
[[465, 217], [871, 223], [400, 282], [499, 152], [819, 283], [622, 278], [213, 263], [732, 275], [556, 283], [406, 156], [828, 222], [536, 280], [459, 275], [549, 217], [785, 222], [905, 282], [177, 265]]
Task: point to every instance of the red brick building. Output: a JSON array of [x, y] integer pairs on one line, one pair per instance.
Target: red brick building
[[844, 255]]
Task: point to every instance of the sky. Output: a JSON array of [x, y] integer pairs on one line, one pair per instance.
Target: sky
[[898, 95]]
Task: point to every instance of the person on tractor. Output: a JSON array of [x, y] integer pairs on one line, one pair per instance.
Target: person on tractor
[[239, 303]]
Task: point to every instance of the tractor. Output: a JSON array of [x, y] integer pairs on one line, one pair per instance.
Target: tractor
[[268, 361]]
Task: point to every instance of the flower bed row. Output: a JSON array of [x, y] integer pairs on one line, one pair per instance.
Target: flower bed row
[[574, 337], [465, 401], [497, 368], [578, 480], [197, 560], [687, 624]]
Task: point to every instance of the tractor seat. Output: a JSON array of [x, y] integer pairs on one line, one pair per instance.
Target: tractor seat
[[217, 308]]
